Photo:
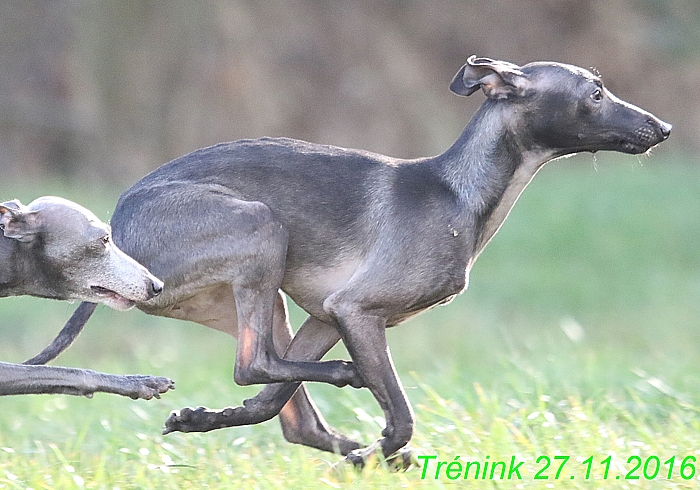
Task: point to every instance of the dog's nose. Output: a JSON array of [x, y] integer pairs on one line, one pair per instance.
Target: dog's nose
[[156, 288], [666, 129]]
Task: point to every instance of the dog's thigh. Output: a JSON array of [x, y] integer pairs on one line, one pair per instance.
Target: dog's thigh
[[194, 237], [212, 307]]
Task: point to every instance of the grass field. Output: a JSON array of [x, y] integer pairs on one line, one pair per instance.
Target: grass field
[[578, 337]]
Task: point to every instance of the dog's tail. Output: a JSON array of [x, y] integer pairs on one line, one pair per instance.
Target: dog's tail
[[66, 336]]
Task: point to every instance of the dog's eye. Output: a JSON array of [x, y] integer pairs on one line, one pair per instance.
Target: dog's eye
[[105, 239], [597, 95]]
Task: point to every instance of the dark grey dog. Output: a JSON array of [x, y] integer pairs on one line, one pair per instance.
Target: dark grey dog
[[360, 241], [54, 248]]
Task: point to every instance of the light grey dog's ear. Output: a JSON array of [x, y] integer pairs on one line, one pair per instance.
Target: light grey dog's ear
[[498, 79], [17, 221]]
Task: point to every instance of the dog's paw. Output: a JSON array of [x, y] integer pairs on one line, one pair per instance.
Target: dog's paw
[[180, 420], [147, 387], [370, 456], [403, 459], [346, 375], [357, 458], [199, 419], [356, 380]]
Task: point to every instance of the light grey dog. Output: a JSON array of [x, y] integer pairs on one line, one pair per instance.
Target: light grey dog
[[360, 241], [54, 248]]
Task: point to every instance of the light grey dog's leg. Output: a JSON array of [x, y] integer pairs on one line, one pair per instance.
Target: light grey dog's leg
[[19, 379]]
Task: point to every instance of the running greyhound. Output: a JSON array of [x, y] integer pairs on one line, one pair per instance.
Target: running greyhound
[[54, 248], [360, 241]]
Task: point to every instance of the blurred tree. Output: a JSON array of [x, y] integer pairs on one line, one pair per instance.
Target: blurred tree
[[109, 90]]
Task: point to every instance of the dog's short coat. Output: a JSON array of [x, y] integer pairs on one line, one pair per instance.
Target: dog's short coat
[[360, 241], [55, 248]]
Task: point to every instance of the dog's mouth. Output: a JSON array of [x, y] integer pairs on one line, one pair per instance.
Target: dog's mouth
[[646, 137], [112, 298], [635, 144], [641, 140], [633, 147]]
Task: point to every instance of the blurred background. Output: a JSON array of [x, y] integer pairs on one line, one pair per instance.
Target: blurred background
[[106, 91], [593, 282]]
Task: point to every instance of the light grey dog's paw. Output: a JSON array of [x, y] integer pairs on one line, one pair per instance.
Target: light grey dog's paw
[[147, 387]]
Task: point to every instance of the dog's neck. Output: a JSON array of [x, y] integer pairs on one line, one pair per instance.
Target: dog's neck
[[488, 167]]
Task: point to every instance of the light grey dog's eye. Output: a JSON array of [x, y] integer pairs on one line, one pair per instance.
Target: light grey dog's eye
[[597, 95], [105, 239]]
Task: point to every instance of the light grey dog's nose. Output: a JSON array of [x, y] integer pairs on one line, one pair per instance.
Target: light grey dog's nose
[[155, 289]]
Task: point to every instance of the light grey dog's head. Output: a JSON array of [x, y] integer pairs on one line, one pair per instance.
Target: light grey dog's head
[[69, 254]]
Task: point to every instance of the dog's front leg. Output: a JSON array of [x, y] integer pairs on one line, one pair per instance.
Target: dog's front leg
[[301, 422], [256, 358], [364, 334], [18, 379]]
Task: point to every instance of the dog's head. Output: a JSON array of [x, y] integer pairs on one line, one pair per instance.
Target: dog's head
[[71, 251], [562, 108]]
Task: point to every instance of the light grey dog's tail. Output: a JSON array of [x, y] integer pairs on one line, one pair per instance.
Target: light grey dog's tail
[[66, 336]]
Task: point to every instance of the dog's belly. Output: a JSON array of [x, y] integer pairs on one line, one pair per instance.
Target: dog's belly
[[309, 286]]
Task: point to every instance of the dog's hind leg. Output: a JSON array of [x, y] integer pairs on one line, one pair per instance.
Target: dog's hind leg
[[300, 419], [258, 362], [235, 244]]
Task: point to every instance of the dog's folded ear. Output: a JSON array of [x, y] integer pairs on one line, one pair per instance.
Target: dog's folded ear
[[498, 79], [17, 221]]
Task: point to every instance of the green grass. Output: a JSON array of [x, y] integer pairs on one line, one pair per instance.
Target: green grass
[[606, 252]]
